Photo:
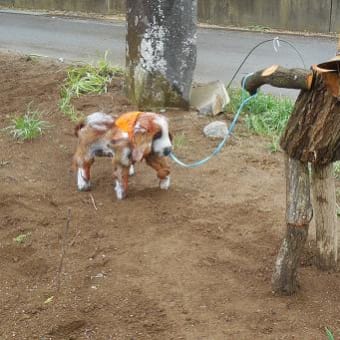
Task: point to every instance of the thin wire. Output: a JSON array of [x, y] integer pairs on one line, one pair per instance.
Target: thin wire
[[260, 44]]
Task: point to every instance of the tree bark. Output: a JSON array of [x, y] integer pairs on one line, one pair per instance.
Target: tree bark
[[312, 133], [161, 52], [298, 216], [324, 204], [278, 76]]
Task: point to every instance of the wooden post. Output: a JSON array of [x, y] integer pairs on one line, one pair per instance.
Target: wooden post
[[312, 135], [298, 216], [324, 204]]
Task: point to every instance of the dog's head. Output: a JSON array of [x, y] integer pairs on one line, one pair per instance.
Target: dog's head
[[151, 135]]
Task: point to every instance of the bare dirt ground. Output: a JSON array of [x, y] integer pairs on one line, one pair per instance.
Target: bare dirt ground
[[191, 263]]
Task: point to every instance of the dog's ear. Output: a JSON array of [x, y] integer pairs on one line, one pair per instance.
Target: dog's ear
[[142, 144], [142, 137], [145, 124]]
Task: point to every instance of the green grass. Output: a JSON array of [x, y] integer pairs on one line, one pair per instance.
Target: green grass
[[28, 126], [179, 141], [330, 335], [265, 115], [21, 238], [337, 170], [259, 28], [86, 79]]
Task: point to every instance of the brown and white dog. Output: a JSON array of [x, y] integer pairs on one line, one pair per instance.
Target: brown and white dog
[[132, 137]]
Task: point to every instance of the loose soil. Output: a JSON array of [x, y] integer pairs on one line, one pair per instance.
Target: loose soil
[[191, 263]]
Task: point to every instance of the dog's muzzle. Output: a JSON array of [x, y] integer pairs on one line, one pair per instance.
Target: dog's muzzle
[[167, 151]]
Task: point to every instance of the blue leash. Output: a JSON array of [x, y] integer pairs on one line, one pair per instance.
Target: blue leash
[[225, 139]]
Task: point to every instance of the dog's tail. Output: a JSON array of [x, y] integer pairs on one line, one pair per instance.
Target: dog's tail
[[78, 127], [99, 121]]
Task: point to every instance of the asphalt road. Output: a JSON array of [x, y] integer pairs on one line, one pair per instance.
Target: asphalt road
[[219, 51]]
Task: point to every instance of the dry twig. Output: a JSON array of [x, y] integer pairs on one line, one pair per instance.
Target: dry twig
[[63, 249], [74, 238], [93, 202]]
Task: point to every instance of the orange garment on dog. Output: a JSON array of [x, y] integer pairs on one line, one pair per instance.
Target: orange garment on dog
[[127, 121]]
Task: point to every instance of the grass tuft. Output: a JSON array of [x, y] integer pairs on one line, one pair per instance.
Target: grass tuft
[[259, 28], [21, 238], [86, 79], [28, 126], [266, 114], [329, 334], [179, 141]]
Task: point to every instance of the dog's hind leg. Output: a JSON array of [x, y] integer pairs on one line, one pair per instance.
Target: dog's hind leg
[[161, 166]]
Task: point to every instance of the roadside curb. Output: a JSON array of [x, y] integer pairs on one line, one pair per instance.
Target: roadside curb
[[121, 19]]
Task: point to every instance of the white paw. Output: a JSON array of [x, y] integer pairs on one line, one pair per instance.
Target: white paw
[[131, 170], [164, 184], [119, 191], [82, 183]]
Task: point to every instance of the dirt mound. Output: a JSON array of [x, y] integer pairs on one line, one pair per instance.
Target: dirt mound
[[191, 263]]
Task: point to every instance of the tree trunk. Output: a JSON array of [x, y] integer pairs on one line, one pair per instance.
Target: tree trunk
[[161, 52], [324, 204], [298, 216], [313, 131]]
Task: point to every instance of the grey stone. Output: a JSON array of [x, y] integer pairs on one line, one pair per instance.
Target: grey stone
[[217, 129], [210, 98]]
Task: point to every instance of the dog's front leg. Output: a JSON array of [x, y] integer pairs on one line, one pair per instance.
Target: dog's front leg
[[121, 177], [161, 165], [132, 170], [83, 176]]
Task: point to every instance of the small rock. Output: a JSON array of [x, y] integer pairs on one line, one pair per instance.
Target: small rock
[[216, 129], [98, 276]]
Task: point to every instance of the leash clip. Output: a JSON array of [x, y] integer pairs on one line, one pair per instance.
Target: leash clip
[[276, 44]]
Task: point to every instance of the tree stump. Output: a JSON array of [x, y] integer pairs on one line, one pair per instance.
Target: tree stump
[[161, 52], [298, 216], [312, 133]]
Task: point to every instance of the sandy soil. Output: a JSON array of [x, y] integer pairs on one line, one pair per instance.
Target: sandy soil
[[191, 263]]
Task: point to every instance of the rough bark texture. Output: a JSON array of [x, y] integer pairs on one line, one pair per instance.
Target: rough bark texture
[[161, 52], [324, 204], [278, 76], [298, 216], [313, 130]]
